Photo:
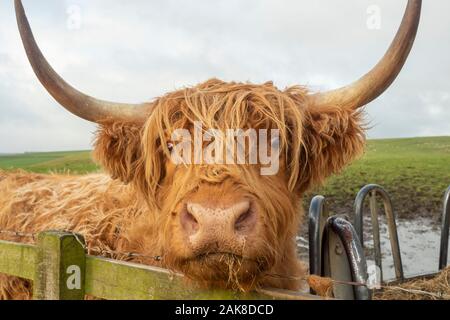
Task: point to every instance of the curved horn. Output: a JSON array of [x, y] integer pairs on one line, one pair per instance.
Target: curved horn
[[78, 103], [375, 82]]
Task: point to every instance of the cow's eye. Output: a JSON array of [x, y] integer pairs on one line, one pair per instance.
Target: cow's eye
[[170, 146]]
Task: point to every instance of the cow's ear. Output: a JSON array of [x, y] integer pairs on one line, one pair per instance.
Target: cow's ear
[[118, 150], [332, 138]]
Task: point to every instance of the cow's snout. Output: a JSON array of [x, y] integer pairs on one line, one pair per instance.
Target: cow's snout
[[205, 225]]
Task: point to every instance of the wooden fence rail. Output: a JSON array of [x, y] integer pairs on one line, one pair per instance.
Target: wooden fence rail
[[60, 270]]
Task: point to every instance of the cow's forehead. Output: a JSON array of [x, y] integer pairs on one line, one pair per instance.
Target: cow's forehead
[[230, 105]]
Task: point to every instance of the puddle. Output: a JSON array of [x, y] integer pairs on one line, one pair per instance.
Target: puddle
[[419, 245]]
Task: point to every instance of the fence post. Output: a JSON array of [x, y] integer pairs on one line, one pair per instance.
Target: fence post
[[60, 272]]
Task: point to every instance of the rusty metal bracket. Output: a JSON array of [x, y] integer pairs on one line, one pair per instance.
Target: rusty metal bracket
[[373, 191], [344, 260], [443, 255], [336, 252]]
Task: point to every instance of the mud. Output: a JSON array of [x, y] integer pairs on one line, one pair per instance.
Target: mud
[[419, 246]]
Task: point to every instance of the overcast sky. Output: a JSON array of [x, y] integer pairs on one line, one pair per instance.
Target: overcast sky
[[133, 51]]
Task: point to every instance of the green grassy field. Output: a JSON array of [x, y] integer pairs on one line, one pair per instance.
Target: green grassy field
[[76, 162], [415, 171]]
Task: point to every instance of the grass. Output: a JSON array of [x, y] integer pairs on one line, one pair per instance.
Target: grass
[[76, 162], [416, 172]]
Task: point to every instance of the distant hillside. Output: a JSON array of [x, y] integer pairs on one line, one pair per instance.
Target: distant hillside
[[415, 171], [76, 162]]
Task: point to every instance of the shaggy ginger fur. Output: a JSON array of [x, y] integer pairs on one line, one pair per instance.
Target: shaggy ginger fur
[[138, 209]]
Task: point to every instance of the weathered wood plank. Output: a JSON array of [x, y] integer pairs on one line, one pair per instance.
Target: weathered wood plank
[[17, 259], [111, 279], [61, 265], [107, 278]]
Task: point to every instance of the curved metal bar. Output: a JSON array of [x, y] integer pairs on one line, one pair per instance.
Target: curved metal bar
[[318, 215], [375, 231], [356, 266], [373, 190], [443, 255]]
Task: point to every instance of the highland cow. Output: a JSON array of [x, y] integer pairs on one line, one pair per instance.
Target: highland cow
[[219, 224]]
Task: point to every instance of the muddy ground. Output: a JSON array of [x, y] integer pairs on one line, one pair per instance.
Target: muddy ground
[[419, 239]]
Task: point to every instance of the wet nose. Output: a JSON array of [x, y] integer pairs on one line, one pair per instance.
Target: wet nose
[[237, 219]]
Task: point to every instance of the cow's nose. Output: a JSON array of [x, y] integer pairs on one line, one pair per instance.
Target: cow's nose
[[239, 218]]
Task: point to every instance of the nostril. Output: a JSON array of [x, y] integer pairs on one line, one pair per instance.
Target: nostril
[[246, 221], [188, 222]]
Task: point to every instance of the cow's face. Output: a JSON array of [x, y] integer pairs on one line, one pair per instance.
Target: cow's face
[[229, 219], [226, 221]]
